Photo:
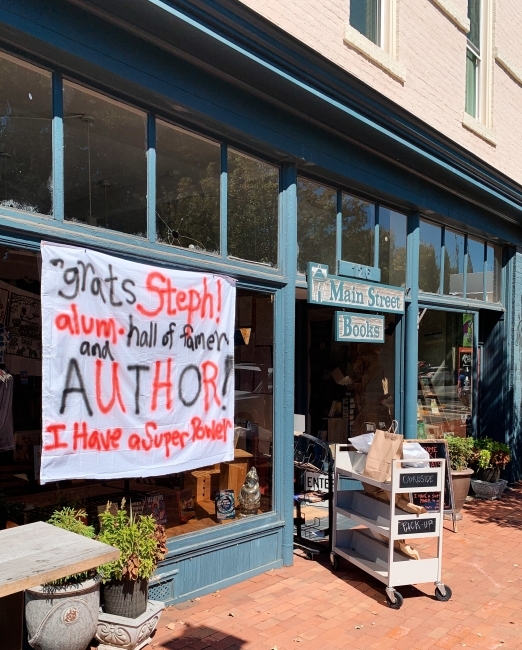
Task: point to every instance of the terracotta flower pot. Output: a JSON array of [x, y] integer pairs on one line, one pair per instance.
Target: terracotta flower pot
[[461, 480]]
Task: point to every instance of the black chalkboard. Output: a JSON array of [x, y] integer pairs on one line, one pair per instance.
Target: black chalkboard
[[416, 526], [431, 500], [418, 479]]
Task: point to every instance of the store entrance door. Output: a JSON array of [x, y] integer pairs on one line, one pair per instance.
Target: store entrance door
[[447, 373]]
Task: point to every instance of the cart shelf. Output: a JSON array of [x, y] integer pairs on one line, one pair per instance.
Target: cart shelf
[[377, 555]]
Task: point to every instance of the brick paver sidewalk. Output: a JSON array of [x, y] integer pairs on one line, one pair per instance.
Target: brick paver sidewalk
[[307, 607]]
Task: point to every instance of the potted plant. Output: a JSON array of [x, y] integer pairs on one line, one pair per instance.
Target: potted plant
[[490, 459], [63, 615], [461, 452], [141, 542]]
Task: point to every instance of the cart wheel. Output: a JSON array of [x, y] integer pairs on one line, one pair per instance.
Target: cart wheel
[[334, 560], [399, 600], [439, 596]]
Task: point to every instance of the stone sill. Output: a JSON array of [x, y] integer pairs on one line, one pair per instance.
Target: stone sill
[[454, 14], [479, 129], [509, 66], [374, 53]]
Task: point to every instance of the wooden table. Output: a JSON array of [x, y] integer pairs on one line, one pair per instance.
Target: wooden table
[[34, 554]]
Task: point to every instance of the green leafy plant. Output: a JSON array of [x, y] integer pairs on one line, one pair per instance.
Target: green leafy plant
[[141, 542], [461, 452], [74, 521], [489, 454]]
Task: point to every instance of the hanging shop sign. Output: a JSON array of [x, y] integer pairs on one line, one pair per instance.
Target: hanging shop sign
[[361, 328], [137, 367], [324, 289]]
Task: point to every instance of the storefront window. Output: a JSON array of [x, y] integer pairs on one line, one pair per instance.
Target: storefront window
[[429, 257], [358, 230], [493, 272], [187, 189], [316, 224], [392, 247], [352, 385], [453, 264], [105, 162], [445, 386], [475, 270], [25, 136], [183, 502], [252, 200]]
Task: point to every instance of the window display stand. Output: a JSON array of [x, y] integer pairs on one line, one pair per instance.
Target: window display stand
[[372, 548]]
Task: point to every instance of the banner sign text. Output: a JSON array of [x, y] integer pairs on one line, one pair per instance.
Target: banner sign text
[[137, 367]]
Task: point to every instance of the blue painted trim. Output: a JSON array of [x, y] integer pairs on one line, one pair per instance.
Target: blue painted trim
[[474, 374], [447, 308], [58, 148], [484, 270], [465, 271], [376, 239], [457, 304], [442, 257], [223, 202], [339, 229], [284, 378], [151, 177], [412, 331], [399, 398]]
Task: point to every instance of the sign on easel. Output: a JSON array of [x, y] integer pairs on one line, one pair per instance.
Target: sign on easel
[[431, 500]]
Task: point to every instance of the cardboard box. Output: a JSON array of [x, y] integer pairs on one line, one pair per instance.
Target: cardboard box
[[203, 484], [232, 477]]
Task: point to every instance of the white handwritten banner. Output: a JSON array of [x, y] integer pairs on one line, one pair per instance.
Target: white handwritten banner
[[137, 367]]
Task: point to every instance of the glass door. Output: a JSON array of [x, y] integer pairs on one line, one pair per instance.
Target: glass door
[[446, 373]]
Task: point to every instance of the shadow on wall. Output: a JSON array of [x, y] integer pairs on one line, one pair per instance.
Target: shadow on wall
[[193, 636]]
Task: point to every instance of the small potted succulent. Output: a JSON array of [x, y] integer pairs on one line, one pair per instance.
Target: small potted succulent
[[461, 452], [142, 544], [63, 615], [490, 459]]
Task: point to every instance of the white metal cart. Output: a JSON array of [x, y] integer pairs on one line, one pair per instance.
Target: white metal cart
[[378, 558]]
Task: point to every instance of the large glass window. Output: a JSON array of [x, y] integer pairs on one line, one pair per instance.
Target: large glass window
[[445, 390], [475, 269], [187, 189], [392, 247], [253, 200], [429, 257], [105, 162], [453, 264], [25, 136], [365, 17], [493, 273], [358, 230], [316, 224]]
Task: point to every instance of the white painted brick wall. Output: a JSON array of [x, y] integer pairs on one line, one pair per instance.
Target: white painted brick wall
[[433, 51]]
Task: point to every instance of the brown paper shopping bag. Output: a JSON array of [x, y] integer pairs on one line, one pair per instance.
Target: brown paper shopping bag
[[385, 448]]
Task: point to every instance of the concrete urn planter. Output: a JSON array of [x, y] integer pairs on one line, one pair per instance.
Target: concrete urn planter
[[128, 633], [62, 618]]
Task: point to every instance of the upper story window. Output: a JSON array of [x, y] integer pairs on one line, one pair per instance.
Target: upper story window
[[105, 161], [473, 59], [25, 136], [458, 265], [479, 70], [365, 17]]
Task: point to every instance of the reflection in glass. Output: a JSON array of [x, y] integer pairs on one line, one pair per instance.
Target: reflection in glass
[[453, 264], [25, 136], [358, 230], [445, 386], [429, 257], [316, 224], [253, 199], [493, 272], [187, 189], [105, 162], [475, 270], [392, 247], [365, 16]]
